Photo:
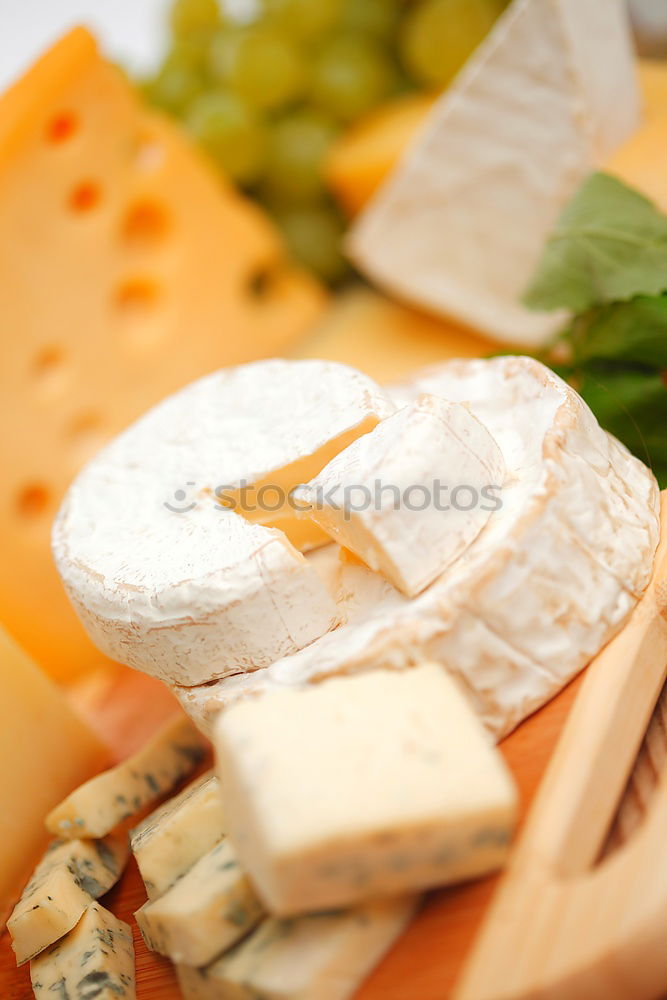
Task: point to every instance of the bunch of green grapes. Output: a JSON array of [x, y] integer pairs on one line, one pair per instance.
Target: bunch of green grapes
[[265, 86]]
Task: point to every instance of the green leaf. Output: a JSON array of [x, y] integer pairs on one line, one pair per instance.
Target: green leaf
[[633, 331], [609, 244]]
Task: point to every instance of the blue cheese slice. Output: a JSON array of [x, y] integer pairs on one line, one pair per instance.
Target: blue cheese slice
[[102, 803], [174, 837], [69, 877], [373, 785], [323, 956], [204, 913], [95, 961]]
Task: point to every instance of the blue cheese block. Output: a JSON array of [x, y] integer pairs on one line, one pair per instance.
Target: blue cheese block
[[204, 913], [102, 803], [69, 877], [169, 842], [371, 785], [317, 957], [95, 961]]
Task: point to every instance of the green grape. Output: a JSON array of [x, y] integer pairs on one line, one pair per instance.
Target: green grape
[[438, 36], [174, 87], [313, 236], [260, 64], [297, 146], [304, 20], [189, 16], [376, 18], [233, 135], [350, 76], [191, 52]]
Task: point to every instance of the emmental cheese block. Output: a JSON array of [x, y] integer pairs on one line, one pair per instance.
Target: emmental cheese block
[[68, 878], [173, 838], [400, 789], [173, 580], [129, 268], [325, 956], [110, 798], [409, 497], [47, 750], [460, 225], [95, 960]]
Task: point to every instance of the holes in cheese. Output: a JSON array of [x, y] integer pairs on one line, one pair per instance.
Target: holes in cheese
[[415, 797], [33, 500], [140, 287], [410, 497], [174, 582]]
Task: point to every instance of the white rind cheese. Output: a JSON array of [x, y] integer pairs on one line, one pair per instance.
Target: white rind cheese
[[324, 956], [165, 578], [409, 497], [110, 798], [461, 224], [68, 878], [173, 838], [549, 580], [400, 789], [204, 913], [95, 960]]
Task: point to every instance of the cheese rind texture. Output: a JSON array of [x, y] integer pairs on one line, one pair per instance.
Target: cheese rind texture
[[94, 962], [172, 839], [550, 579], [68, 878], [400, 790], [172, 582], [51, 751], [324, 956], [546, 99], [107, 800], [408, 498], [204, 913]]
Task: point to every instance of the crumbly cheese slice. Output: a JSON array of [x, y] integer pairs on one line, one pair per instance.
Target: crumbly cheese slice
[[174, 837], [95, 960], [70, 875], [172, 581], [409, 497], [400, 789], [123, 791], [460, 225], [549, 580], [204, 913], [321, 956]]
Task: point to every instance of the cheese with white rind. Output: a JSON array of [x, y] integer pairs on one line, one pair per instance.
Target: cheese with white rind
[[174, 837], [114, 796], [69, 877], [95, 960], [409, 497], [321, 956], [461, 224], [168, 580], [550, 579], [204, 913], [400, 789]]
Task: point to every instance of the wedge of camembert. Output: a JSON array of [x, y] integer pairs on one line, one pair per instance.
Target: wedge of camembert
[[548, 581], [400, 789], [165, 576], [409, 497], [460, 225]]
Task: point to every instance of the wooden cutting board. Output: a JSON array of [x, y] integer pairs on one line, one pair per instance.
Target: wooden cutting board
[[126, 708]]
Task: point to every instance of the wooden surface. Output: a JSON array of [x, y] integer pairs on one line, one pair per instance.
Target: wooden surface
[[126, 708]]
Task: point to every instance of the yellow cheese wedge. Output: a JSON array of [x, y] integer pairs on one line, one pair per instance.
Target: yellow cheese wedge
[[47, 751], [642, 160], [128, 269]]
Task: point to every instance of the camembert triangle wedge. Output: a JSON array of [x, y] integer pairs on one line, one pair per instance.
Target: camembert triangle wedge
[[129, 268], [460, 225], [174, 582]]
